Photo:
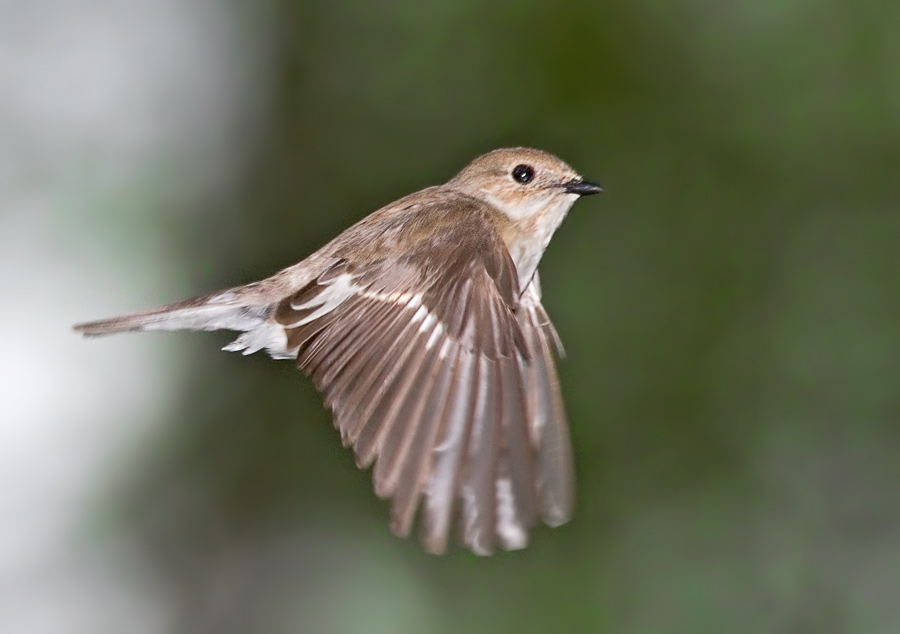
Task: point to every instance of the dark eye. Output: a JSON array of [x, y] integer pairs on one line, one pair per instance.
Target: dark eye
[[523, 173]]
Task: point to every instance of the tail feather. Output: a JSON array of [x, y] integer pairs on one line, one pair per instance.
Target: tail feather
[[204, 313]]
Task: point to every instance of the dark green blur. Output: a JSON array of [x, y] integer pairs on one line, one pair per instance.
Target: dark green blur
[[730, 307]]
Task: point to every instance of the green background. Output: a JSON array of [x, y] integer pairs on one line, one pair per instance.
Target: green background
[[730, 307]]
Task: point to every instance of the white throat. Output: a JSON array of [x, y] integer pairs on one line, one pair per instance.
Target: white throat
[[538, 221]]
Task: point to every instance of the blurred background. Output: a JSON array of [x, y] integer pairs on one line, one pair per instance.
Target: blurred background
[[730, 307]]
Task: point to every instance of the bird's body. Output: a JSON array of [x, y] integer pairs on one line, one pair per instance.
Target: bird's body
[[422, 326]]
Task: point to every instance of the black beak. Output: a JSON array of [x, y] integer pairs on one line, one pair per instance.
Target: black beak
[[582, 188]]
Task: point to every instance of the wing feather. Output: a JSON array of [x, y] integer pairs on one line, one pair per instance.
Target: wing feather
[[440, 373], [420, 380], [441, 488], [478, 488], [549, 429], [413, 475]]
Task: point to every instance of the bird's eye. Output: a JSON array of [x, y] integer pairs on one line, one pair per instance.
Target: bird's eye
[[523, 173]]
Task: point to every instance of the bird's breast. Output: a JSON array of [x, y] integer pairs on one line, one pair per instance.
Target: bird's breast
[[527, 239]]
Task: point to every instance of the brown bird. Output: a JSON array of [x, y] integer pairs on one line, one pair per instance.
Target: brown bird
[[423, 328]]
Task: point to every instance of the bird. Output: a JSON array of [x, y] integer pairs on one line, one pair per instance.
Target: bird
[[422, 327]]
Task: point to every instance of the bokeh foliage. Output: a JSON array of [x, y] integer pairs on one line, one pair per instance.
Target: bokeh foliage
[[729, 305]]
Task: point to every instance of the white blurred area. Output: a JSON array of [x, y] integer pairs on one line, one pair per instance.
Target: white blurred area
[[97, 97]]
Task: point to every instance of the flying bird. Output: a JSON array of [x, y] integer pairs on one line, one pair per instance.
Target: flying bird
[[422, 327]]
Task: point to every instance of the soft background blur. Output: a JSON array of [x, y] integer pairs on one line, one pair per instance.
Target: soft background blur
[[730, 306]]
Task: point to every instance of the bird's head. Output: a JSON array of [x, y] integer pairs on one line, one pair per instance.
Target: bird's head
[[523, 183]]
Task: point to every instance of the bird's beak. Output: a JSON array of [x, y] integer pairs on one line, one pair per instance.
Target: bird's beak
[[582, 187]]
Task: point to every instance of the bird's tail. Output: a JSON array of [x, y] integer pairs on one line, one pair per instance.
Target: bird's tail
[[219, 311]]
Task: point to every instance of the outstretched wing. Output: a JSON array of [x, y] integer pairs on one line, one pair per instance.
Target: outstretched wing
[[438, 374]]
